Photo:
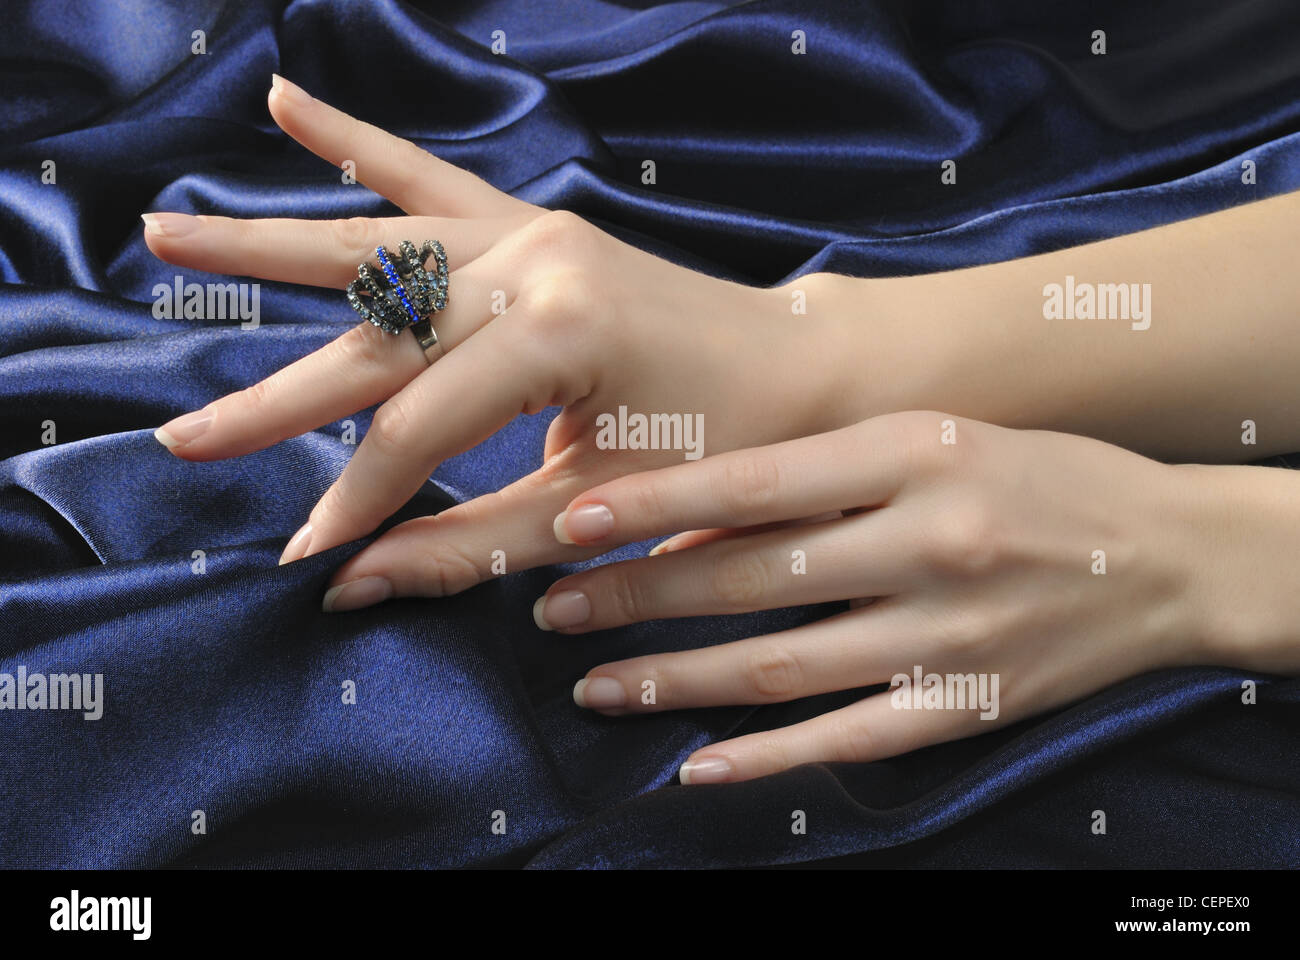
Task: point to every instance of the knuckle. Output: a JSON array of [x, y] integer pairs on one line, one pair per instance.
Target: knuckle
[[363, 347], [391, 429], [918, 440], [739, 578], [260, 396], [559, 302], [410, 153], [450, 570], [628, 594], [774, 753], [773, 674], [964, 541], [747, 485], [356, 235], [851, 741], [553, 232], [647, 501], [344, 509], [407, 162]]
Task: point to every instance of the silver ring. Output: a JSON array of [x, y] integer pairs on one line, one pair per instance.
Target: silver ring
[[427, 338]]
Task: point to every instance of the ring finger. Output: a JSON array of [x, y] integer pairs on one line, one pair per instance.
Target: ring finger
[[852, 649], [362, 367]]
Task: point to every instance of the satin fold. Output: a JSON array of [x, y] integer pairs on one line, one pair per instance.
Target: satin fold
[[225, 688]]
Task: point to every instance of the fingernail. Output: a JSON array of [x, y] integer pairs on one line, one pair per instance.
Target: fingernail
[[599, 693], [290, 93], [297, 546], [591, 521], [182, 430], [355, 594], [568, 608], [705, 770], [170, 224], [661, 548]]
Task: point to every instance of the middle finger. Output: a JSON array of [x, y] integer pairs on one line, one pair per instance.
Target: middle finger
[[322, 253], [868, 555]]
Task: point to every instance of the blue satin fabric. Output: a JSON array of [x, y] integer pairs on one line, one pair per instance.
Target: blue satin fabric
[[223, 689]]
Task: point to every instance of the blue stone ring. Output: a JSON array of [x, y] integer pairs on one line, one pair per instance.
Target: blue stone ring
[[399, 292]]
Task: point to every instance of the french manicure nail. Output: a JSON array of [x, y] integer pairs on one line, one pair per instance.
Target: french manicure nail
[[599, 693], [705, 770], [170, 224], [537, 614], [584, 524], [355, 594], [568, 608], [289, 92], [174, 433], [297, 546]]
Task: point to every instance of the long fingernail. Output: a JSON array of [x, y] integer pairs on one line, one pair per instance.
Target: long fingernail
[[170, 224], [568, 608], [599, 693], [706, 770], [182, 430], [662, 548], [590, 522], [297, 546], [290, 93], [355, 594]]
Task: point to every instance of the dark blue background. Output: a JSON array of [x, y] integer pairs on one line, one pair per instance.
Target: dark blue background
[[223, 690]]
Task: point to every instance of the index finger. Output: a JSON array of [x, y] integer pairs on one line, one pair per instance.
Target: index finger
[[412, 178], [857, 466]]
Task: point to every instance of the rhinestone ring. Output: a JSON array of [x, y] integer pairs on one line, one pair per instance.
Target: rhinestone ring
[[399, 292]]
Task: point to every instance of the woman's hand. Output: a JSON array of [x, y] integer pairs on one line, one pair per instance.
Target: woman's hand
[[596, 325], [589, 323], [1045, 565]]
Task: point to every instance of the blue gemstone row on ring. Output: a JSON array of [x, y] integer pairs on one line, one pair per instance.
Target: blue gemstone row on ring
[[391, 273], [401, 292]]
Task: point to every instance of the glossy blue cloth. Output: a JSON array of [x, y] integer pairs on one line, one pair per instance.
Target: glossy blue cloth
[[223, 689]]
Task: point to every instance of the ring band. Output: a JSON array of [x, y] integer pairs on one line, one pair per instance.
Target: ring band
[[401, 292], [427, 338]]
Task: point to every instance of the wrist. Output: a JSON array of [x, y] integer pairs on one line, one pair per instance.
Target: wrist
[[1245, 528], [878, 351]]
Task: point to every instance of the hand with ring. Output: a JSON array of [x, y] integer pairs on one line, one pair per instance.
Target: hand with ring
[[975, 558], [590, 323]]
